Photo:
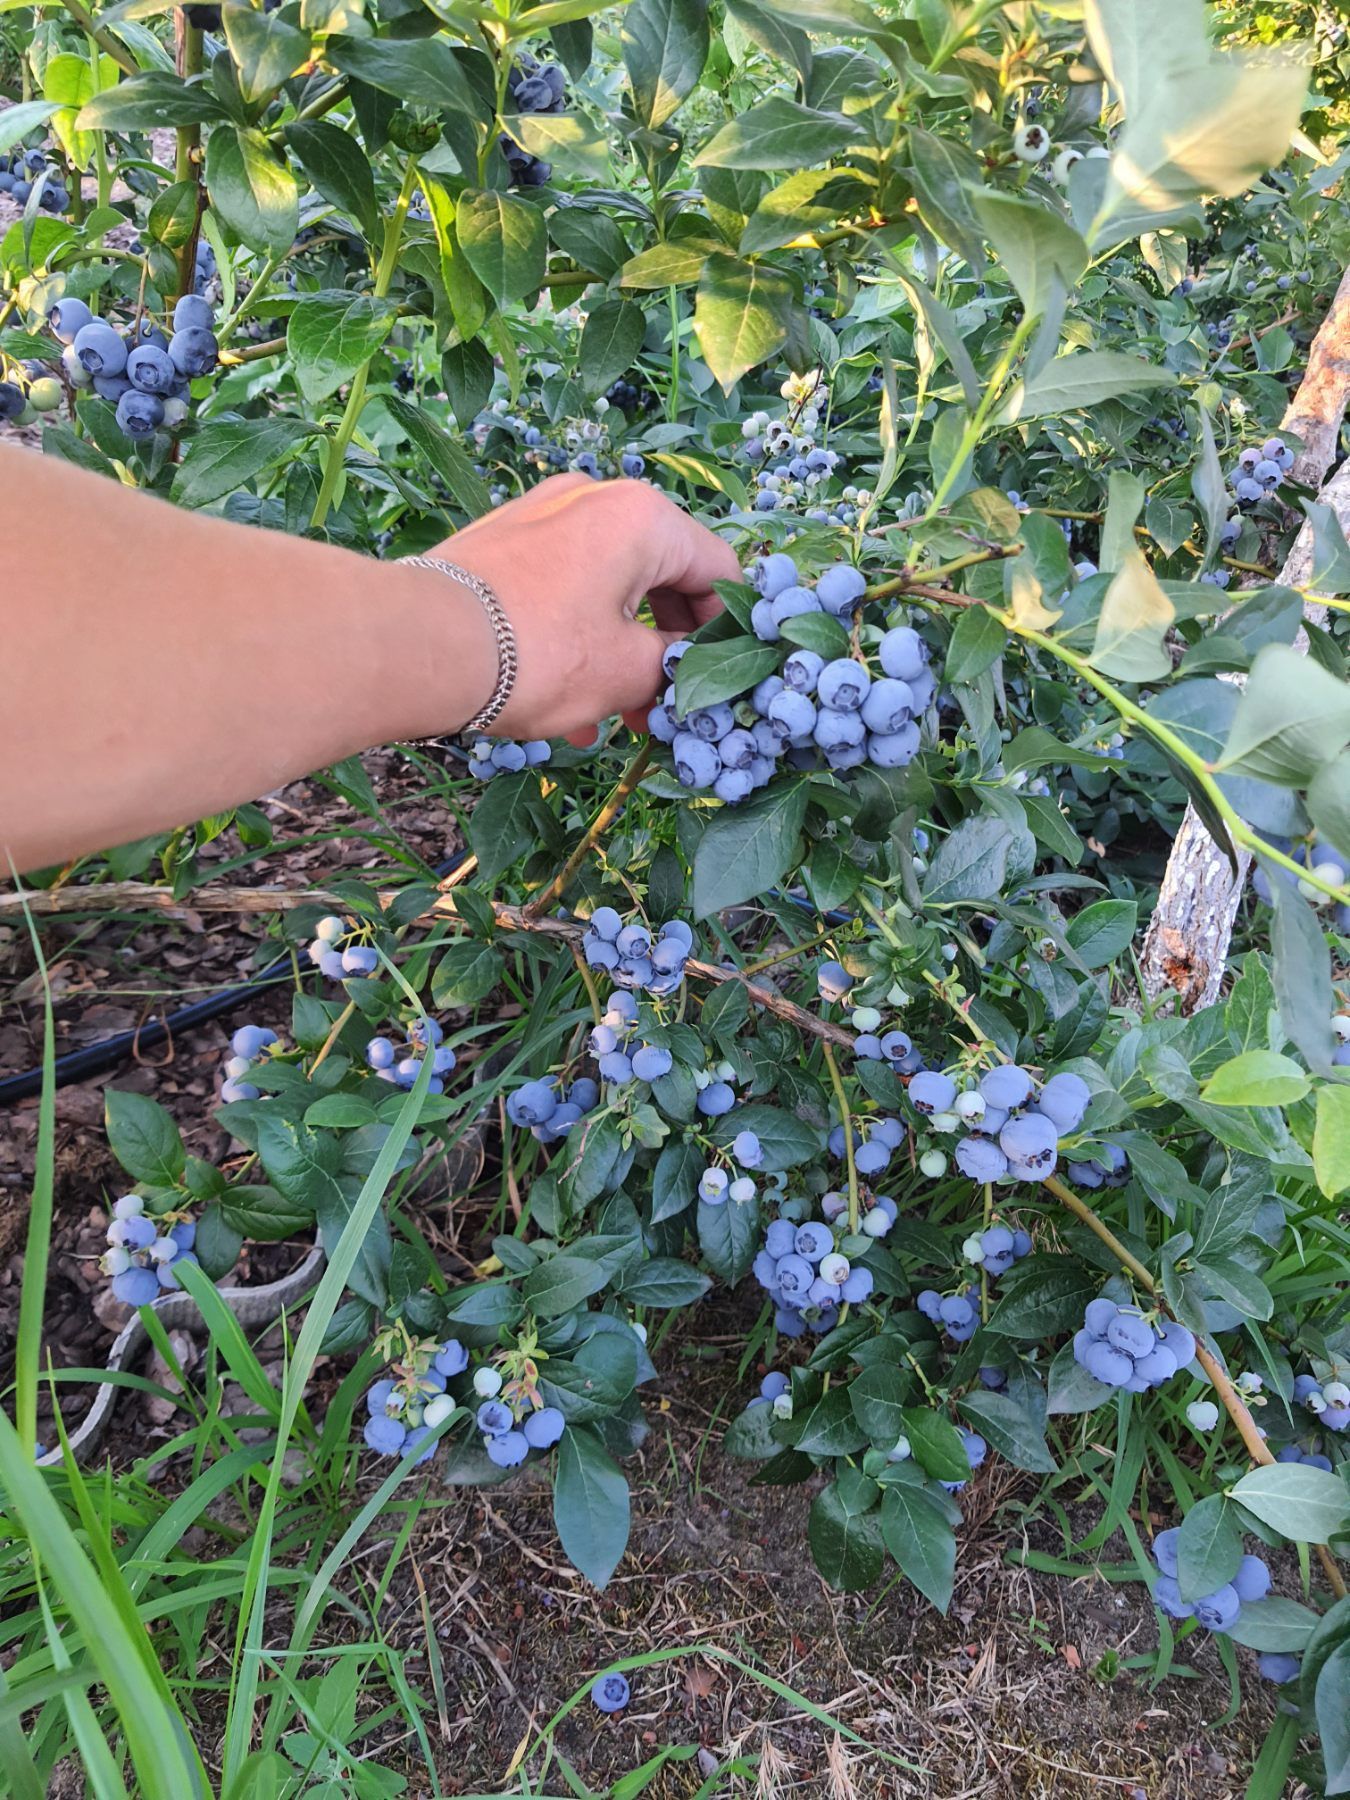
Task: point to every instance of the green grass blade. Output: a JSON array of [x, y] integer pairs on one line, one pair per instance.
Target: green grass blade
[[28, 1342], [161, 1750], [253, 1600]]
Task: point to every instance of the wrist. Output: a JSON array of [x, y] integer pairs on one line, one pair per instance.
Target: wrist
[[442, 652]]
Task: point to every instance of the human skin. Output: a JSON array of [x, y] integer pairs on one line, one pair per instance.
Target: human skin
[[163, 665]]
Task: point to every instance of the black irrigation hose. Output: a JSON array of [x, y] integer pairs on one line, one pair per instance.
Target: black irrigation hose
[[96, 1059]]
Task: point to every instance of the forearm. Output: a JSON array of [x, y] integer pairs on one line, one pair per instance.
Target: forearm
[[162, 666]]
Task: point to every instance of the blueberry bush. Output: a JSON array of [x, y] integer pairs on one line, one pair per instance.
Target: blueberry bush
[[974, 326]]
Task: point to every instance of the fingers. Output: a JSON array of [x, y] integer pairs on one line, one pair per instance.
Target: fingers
[[675, 559]]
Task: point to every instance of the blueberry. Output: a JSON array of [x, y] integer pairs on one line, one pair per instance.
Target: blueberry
[[930, 1092], [774, 1384], [543, 1428], [149, 369], [716, 1099], [895, 749], [843, 685], [1276, 1665], [980, 1159], [1107, 1364], [794, 712], [1007, 1086], [508, 1449], [136, 1287], [697, 763], [801, 672], [494, 1418], [1219, 1611], [841, 587], [888, 706], [1029, 1143], [451, 1359], [833, 980], [780, 1238], [532, 1104], [193, 351], [611, 1693], [1167, 1598], [100, 350], [67, 318], [901, 653], [771, 575], [1252, 1581], [384, 1435], [1064, 1099], [651, 1062], [814, 1241], [193, 313]]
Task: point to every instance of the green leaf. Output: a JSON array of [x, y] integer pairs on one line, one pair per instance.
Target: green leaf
[[333, 334], [1209, 1548], [1305, 1505], [266, 50], [728, 1236], [561, 1283], [568, 139], [877, 1397], [1330, 572], [1079, 380], [420, 72], [664, 45], [144, 1138], [1010, 1428], [468, 372], [255, 194], [817, 631], [778, 134], [1033, 244], [943, 325], [501, 829], [591, 239], [444, 454], [747, 849], [1331, 1141], [1134, 619], [1331, 1704], [971, 863], [466, 974], [1103, 931], [1292, 717], [977, 643], [921, 1541], [505, 242], [1196, 123], [337, 169], [740, 316], [590, 1504], [936, 1444], [946, 174], [1300, 966], [610, 340], [750, 1435], [154, 100], [1328, 801], [802, 203], [1256, 1078], [1274, 1624], [17, 121], [1043, 1296], [845, 1545], [718, 671], [664, 1281], [677, 264]]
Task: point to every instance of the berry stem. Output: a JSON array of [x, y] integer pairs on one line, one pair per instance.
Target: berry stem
[[335, 1032], [356, 396], [846, 1119], [629, 780], [1233, 1403], [187, 165], [107, 43]]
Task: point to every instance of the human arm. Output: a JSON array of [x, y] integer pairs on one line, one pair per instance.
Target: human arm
[[164, 665]]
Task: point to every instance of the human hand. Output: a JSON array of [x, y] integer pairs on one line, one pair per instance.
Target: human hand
[[571, 562]]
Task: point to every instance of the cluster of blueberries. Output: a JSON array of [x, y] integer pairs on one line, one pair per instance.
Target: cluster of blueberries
[[1328, 865], [1328, 1401], [791, 468], [534, 88], [403, 1413], [548, 1109], [28, 389], [995, 1249], [513, 1420], [337, 952], [808, 1266], [587, 447], [23, 169], [400, 1060], [1220, 1610], [143, 1251], [957, 1314], [1260, 472], [814, 710], [506, 758], [249, 1046], [1118, 1346], [144, 371], [632, 958], [631, 396], [716, 1186], [1011, 1129]]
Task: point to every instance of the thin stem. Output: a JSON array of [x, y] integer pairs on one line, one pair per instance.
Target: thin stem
[[629, 780], [106, 42], [187, 164], [905, 581], [782, 956], [846, 1118], [356, 397], [974, 431]]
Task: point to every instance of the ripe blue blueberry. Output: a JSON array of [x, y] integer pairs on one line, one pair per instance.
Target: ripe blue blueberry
[[507, 1449], [980, 1159], [1278, 1666], [100, 350], [1252, 1581], [651, 1062], [931, 1092], [697, 763], [780, 1238], [901, 653], [888, 706], [1064, 1099], [611, 1693], [843, 685], [67, 318], [833, 980], [193, 351], [451, 1359], [1219, 1611], [532, 1104], [716, 1099], [841, 587], [384, 1435], [192, 311], [1007, 1086], [494, 1418], [149, 370]]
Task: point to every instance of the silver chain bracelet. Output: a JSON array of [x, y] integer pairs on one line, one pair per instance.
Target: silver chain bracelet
[[507, 657]]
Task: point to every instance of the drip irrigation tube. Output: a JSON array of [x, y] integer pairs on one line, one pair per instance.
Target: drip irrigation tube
[[96, 1059]]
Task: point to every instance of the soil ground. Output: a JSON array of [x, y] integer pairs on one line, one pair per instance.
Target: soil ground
[[1017, 1692]]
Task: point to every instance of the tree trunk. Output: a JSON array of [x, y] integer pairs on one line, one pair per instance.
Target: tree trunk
[[1186, 945]]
